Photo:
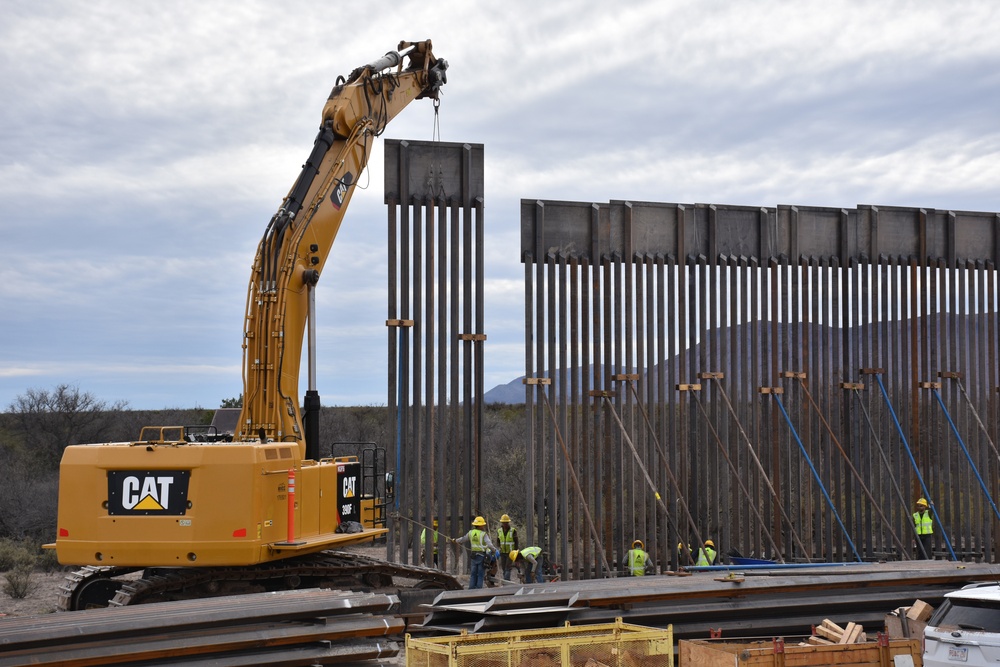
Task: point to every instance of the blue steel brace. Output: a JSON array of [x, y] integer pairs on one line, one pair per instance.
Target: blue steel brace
[[826, 495], [923, 486], [972, 463]]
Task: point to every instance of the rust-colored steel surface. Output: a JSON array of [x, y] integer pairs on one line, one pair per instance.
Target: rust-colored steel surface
[[689, 332], [783, 601], [303, 627], [434, 194]]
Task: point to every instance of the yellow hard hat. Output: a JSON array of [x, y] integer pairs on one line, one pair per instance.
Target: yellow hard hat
[[922, 501], [435, 523], [637, 543], [505, 519], [709, 543], [479, 521], [514, 553]]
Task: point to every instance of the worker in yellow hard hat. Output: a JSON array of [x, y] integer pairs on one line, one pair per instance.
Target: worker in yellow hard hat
[[507, 542], [923, 524], [707, 555], [637, 561], [479, 544], [532, 557], [433, 538]]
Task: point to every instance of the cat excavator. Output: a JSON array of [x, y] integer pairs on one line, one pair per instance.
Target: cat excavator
[[180, 514]]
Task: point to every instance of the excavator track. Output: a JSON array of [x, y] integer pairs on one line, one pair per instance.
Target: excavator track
[[326, 569], [90, 587]]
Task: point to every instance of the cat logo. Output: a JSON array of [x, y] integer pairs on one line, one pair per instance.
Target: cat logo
[[348, 492], [340, 192], [148, 492]]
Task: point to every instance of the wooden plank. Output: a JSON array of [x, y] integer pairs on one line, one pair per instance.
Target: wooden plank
[[919, 611], [854, 635], [827, 633], [830, 625]]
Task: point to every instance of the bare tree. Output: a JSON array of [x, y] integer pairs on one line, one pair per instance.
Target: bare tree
[[28, 498], [505, 457], [46, 422]]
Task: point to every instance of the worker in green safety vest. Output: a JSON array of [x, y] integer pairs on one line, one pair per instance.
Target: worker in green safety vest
[[507, 542], [479, 543], [426, 546], [923, 522], [638, 561], [532, 557], [707, 555]]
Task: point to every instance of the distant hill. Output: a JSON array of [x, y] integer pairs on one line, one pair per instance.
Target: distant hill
[[513, 391]]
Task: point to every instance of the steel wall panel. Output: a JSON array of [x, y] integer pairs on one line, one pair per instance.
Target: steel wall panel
[[434, 194], [861, 233], [847, 296]]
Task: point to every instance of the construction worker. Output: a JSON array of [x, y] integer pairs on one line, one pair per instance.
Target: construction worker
[[707, 555], [507, 541], [479, 543], [532, 557], [923, 522], [434, 538], [638, 561]]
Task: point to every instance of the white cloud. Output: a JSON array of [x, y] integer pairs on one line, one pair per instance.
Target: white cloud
[[144, 147]]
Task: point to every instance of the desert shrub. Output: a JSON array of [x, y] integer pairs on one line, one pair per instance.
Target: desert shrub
[[16, 554], [47, 561], [18, 582]]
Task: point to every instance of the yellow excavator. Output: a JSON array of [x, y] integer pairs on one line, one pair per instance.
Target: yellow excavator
[[183, 514]]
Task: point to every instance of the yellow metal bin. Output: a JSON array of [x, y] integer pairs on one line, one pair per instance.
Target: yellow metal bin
[[606, 645]]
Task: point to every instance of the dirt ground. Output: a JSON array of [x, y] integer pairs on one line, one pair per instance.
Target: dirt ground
[[42, 599]]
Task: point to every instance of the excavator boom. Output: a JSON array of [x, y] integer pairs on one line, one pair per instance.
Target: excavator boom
[[298, 239]]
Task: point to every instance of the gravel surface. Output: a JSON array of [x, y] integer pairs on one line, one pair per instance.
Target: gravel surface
[[41, 600]]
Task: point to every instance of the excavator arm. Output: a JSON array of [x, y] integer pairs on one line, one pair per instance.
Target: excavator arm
[[298, 239], [201, 518]]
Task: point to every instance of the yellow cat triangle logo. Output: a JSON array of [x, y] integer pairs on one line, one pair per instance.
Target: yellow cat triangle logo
[[148, 503]]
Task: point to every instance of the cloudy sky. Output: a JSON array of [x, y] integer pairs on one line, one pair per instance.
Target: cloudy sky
[[144, 146]]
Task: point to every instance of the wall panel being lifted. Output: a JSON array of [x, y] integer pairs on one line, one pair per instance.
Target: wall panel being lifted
[[434, 192]]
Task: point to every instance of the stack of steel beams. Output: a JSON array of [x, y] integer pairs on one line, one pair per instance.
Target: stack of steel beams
[[295, 627], [739, 603]]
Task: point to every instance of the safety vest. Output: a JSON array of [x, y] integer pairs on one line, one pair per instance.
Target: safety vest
[[423, 539], [476, 540], [706, 556], [506, 540], [923, 522], [637, 562], [531, 551]]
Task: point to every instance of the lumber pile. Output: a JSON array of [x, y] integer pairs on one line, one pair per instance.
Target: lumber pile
[[828, 633], [908, 622]]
